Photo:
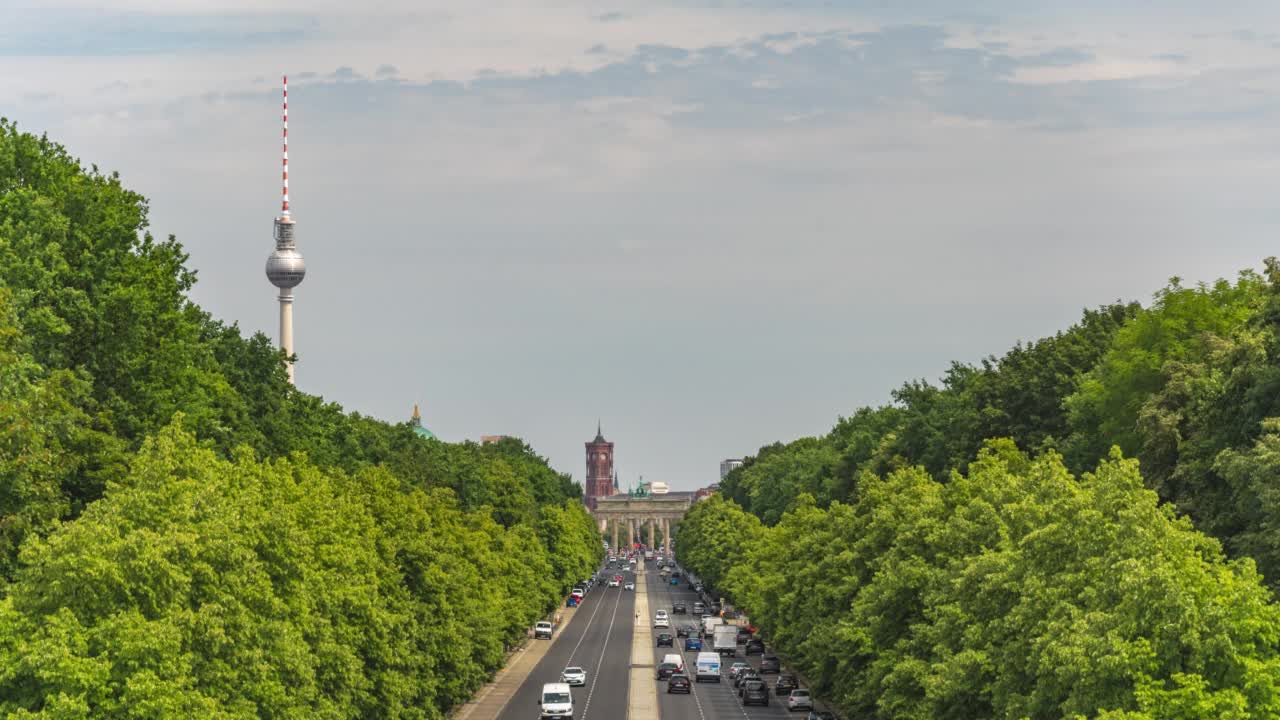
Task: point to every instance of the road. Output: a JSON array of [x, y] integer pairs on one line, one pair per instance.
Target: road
[[708, 701], [598, 639]]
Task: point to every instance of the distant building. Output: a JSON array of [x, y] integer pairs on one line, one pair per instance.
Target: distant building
[[727, 465], [601, 481], [490, 439], [415, 422]]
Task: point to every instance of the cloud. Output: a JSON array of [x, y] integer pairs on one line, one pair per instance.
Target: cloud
[[104, 34], [345, 73], [1058, 57]]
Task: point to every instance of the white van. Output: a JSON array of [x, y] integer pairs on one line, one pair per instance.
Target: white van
[[556, 701], [675, 658], [708, 667]]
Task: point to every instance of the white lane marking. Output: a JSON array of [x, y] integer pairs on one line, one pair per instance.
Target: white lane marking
[[693, 684], [590, 620], [600, 662]]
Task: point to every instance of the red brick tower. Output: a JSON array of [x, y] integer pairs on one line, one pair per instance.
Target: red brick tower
[[599, 469]]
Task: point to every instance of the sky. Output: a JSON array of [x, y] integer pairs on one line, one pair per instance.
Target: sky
[[710, 226]]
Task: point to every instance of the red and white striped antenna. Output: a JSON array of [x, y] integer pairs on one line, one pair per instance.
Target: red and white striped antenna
[[284, 118]]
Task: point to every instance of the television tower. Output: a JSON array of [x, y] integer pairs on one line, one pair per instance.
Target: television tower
[[285, 268]]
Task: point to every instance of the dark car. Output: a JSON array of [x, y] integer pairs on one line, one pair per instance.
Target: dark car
[[666, 670], [692, 644], [755, 692], [679, 609], [679, 683], [687, 631], [755, 646], [785, 684], [770, 664], [665, 640], [744, 676]]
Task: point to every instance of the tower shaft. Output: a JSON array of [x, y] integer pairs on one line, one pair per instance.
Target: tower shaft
[[286, 328]]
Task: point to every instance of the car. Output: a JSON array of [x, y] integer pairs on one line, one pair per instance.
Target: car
[[628, 585], [542, 630], [679, 683], [756, 693], [679, 608], [662, 623], [770, 664], [786, 683], [820, 715], [737, 668], [692, 644], [614, 582], [799, 699], [661, 614], [755, 646], [665, 640], [574, 676], [666, 670]]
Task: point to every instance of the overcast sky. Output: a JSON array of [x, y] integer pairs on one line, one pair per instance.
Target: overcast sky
[[710, 225]]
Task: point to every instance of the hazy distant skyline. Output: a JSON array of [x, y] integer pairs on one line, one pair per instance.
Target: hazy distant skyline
[[709, 227]]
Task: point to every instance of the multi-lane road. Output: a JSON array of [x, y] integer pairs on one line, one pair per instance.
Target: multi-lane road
[[599, 638]]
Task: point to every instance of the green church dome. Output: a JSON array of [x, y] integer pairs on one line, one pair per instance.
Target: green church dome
[[416, 423]]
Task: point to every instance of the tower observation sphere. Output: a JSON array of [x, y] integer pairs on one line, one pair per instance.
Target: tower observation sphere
[[285, 266]]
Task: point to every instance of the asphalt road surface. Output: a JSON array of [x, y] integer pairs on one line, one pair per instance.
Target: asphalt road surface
[[708, 701], [598, 639]]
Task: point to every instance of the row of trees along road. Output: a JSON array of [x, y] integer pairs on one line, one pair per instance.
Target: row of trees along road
[[987, 547], [183, 534]]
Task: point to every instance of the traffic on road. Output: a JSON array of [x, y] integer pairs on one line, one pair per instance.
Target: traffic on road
[[706, 667], [720, 680]]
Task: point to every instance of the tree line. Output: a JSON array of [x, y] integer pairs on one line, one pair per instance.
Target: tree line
[[1082, 527], [184, 534]]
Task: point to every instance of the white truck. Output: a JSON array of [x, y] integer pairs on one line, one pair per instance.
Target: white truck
[[726, 640], [708, 667], [556, 702], [708, 625]]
